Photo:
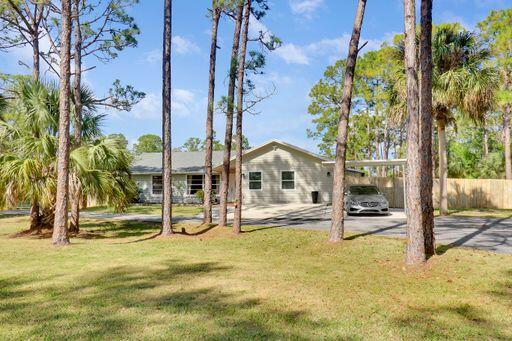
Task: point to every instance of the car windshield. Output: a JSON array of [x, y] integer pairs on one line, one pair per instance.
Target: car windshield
[[363, 190]]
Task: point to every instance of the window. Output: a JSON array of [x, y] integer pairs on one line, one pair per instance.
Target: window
[[363, 190], [255, 180], [215, 183], [287, 180], [194, 183], [157, 184]]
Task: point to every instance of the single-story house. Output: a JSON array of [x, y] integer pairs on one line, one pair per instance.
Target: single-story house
[[275, 172]]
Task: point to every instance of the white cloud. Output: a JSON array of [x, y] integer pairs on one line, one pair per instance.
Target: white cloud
[[332, 48], [184, 46], [292, 54], [180, 46], [183, 104], [256, 27], [149, 108], [450, 17], [153, 56], [305, 7]]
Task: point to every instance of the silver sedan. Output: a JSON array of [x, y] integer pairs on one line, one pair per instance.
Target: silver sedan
[[361, 199]]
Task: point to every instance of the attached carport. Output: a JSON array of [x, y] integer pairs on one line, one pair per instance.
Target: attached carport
[[393, 164]]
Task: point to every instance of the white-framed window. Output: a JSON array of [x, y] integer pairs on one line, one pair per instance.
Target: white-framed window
[[216, 183], [287, 180], [157, 185], [255, 181], [195, 182]]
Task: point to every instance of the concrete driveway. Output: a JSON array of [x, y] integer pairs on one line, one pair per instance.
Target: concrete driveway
[[492, 234]]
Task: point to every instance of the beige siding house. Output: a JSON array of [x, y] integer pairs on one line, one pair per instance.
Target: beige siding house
[[275, 172]]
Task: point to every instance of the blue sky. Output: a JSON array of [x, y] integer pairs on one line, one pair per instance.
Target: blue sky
[[314, 33]]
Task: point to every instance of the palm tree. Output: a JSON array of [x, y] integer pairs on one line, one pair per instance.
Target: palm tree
[[338, 191], [216, 12], [166, 123], [60, 226], [461, 82], [28, 164]]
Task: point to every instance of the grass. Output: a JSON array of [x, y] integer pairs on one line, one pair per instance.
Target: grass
[[116, 281], [483, 213], [156, 209]]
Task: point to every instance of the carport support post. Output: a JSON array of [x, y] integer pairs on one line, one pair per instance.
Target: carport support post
[[405, 189]]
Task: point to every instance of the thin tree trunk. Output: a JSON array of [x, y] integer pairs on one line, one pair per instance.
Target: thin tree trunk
[[207, 202], [35, 218], [506, 135], [166, 122], [224, 184], [415, 250], [425, 113], [60, 228], [485, 139], [385, 150], [433, 153], [76, 195], [338, 190], [237, 220], [35, 56], [443, 167]]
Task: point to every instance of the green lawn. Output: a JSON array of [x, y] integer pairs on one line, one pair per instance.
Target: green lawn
[[118, 282], [178, 210], [483, 213]]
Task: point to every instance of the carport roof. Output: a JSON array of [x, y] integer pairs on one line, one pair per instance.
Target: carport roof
[[371, 163]]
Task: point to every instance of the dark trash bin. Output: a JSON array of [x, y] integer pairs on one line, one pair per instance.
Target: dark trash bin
[[314, 197]]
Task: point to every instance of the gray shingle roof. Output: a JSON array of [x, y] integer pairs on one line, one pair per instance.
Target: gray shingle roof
[[182, 162]]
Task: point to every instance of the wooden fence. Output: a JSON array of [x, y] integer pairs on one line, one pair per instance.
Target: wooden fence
[[462, 193]]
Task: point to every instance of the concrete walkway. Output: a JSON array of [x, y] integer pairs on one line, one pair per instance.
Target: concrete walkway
[[491, 234]]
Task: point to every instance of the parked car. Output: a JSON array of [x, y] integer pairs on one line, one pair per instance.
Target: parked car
[[360, 199]]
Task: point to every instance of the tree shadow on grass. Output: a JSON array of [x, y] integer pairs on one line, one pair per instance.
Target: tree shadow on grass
[[174, 300], [438, 323], [503, 289]]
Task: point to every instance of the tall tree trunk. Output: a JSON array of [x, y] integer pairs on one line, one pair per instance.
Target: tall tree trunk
[[224, 184], [338, 191], [237, 220], [443, 166], [35, 218], [415, 251], [385, 149], [60, 225], [35, 56], [506, 141], [166, 122], [76, 194], [485, 139], [425, 113], [209, 117], [433, 153]]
